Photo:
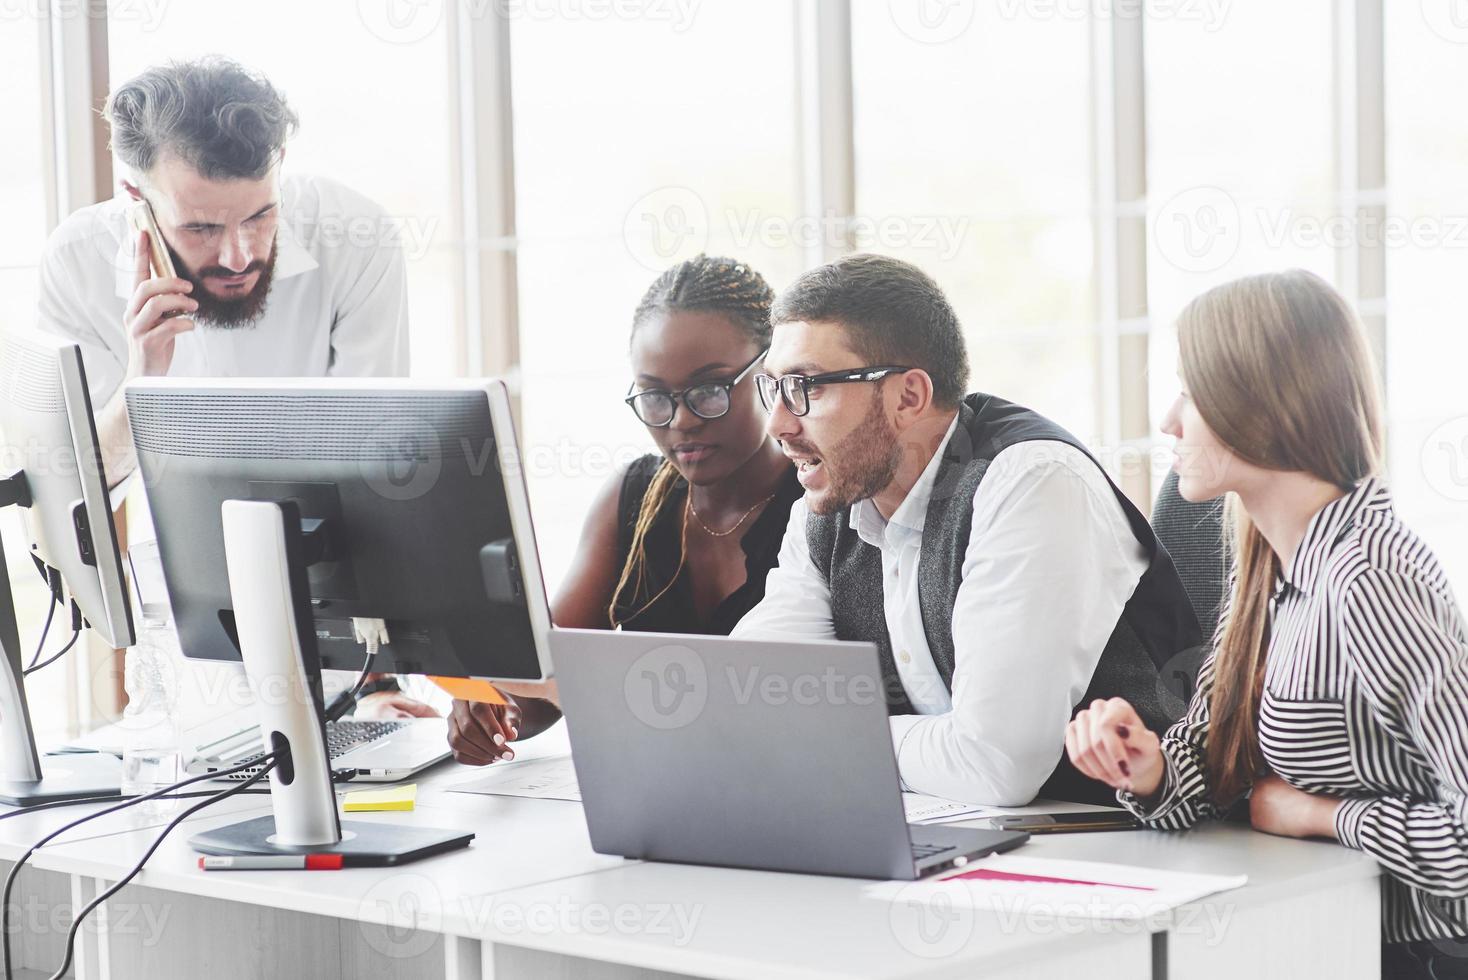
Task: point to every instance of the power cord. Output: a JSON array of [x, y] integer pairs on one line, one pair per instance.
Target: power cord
[[53, 583], [124, 804], [75, 635], [138, 867], [347, 700]]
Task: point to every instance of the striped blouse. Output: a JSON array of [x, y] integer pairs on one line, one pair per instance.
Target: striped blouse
[[1365, 697]]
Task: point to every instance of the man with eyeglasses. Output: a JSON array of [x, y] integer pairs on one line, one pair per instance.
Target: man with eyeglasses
[[1006, 581], [256, 272]]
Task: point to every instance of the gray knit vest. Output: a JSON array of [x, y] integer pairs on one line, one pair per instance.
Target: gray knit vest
[[1157, 622]]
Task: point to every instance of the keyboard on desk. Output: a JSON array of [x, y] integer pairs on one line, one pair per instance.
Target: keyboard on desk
[[341, 737]]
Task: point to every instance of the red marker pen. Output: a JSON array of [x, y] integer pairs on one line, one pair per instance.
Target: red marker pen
[[273, 862]]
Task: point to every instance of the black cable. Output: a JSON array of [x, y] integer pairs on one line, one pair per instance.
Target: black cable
[[53, 583], [124, 804], [347, 700], [76, 634], [137, 868]]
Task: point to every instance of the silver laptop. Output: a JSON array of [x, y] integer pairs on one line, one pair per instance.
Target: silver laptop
[[776, 756], [379, 751]]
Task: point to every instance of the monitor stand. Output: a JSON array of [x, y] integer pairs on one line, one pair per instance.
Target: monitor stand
[[24, 780], [265, 555]]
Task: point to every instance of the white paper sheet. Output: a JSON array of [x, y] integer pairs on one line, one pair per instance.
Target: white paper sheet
[[1076, 889], [555, 779], [925, 809], [536, 779]]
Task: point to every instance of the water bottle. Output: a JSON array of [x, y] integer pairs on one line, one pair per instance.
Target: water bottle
[[151, 758]]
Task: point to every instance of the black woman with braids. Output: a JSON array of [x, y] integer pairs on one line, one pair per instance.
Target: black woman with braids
[[680, 541]]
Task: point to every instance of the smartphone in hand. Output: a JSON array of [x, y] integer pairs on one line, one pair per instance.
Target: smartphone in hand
[[140, 218], [1069, 823]]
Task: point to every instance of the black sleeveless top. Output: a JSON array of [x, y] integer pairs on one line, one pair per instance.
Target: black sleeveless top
[[674, 611]]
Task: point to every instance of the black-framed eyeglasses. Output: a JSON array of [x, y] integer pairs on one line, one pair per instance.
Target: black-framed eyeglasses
[[794, 389], [710, 400]]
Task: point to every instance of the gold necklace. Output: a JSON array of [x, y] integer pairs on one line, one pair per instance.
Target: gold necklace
[[737, 525]]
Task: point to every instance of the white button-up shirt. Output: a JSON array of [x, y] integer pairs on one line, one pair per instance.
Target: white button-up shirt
[[338, 304], [1050, 564]]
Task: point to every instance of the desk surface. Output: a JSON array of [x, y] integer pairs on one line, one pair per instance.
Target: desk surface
[[530, 879]]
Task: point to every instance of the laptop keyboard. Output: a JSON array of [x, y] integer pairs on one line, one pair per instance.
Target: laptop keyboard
[[345, 735], [922, 851], [341, 737]]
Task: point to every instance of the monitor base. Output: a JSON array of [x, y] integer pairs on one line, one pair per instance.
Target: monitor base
[[362, 843], [68, 776]]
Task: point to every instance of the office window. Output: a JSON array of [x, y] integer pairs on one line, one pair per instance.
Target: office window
[[372, 94], [667, 139], [1240, 155], [23, 192], [973, 161], [1427, 264]]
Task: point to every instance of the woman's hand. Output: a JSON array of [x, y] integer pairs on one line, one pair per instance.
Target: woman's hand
[[1276, 807], [480, 733], [1108, 742], [390, 705]]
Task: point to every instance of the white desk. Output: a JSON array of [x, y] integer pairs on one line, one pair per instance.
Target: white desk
[[530, 899]]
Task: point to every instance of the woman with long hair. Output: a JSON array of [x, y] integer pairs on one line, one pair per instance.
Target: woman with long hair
[[682, 540], [1336, 694]]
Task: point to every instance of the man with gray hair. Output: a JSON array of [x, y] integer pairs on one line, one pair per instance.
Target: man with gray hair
[[276, 276]]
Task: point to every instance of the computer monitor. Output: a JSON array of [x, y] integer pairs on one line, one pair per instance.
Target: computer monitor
[[46, 417], [424, 520], [286, 508], [52, 468]]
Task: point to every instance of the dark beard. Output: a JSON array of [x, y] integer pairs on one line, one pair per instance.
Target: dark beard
[[229, 314], [868, 461]]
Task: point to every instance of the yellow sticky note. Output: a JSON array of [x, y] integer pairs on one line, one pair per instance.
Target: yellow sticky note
[[372, 800], [469, 689]]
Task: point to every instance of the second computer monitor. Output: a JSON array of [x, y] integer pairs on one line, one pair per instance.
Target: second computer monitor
[[49, 434], [411, 496]]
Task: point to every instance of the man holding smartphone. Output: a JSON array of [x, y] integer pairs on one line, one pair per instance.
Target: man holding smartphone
[[252, 274], [272, 276]]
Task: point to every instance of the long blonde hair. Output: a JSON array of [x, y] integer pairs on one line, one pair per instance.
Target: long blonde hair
[[1279, 368]]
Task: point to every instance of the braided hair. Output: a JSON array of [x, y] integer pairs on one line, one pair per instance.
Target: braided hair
[[702, 284]]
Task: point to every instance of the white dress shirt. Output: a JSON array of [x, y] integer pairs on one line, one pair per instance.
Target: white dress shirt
[[1050, 564], [338, 304]]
